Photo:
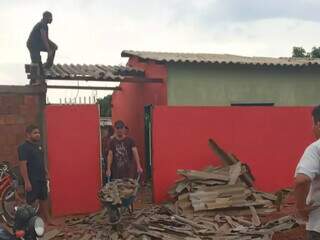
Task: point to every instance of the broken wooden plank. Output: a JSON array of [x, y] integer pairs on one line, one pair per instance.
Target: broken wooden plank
[[235, 172], [228, 159], [193, 174], [51, 234], [187, 221], [255, 218]]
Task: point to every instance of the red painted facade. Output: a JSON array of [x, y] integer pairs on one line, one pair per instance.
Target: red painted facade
[[73, 140], [128, 104], [270, 139]]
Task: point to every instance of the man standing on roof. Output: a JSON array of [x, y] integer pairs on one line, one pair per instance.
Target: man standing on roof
[[123, 158], [307, 182], [39, 41]]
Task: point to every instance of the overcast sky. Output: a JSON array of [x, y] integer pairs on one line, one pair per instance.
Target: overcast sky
[[96, 31]]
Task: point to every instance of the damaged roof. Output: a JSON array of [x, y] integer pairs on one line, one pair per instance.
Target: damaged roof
[[97, 71], [171, 57]]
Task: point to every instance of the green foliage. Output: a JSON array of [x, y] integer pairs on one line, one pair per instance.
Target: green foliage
[[315, 52], [105, 106], [298, 52]]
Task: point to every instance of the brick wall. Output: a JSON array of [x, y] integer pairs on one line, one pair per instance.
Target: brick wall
[[16, 112]]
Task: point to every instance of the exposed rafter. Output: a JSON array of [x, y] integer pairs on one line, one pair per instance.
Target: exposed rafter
[[84, 87]]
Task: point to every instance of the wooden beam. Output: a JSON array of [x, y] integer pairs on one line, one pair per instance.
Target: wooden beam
[[28, 89], [83, 87], [92, 79], [229, 159]]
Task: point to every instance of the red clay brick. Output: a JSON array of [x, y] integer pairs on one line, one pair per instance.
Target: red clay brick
[[20, 119], [11, 103], [7, 149], [10, 119], [20, 128], [2, 139], [30, 100], [24, 110], [11, 139], [13, 109], [2, 120], [20, 138], [30, 119]]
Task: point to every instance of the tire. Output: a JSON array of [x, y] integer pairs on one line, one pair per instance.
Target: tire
[[8, 205]]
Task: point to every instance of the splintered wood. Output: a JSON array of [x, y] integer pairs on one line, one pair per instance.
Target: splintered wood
[[226, 190], [162, 222], [118, 189]]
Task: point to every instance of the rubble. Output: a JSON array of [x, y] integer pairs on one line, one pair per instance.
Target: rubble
[[162, 222], [114, 191], [224, 190], [213, 190], [217, 203]]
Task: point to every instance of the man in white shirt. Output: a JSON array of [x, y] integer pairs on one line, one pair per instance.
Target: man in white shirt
[[307, 182]]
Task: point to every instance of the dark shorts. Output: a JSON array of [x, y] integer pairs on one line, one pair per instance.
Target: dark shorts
[[311, 235], [39, 192]]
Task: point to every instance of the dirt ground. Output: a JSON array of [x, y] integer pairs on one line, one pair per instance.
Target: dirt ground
[[144, 200], [298, 233]]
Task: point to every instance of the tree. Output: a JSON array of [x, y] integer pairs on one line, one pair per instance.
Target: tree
[[299, 52], [315, 52], [105, 106]]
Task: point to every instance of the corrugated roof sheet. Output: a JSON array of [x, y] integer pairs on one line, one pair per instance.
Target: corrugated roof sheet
[[218, 58], [99, 72]]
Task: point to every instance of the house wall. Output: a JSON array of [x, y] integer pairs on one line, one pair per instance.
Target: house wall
[[16, 112], [219, 85], [267, 139], [128, 104]]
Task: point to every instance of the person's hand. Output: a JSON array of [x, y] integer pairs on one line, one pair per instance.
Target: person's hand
[[108, 173], [54, 46], [304, 212], [28, 186], [139, 169]]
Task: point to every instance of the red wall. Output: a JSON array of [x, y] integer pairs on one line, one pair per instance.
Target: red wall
[[73, 140], [270, 139], [128, 104]]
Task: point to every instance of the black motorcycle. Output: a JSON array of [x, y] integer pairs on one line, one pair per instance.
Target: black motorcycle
[[27, 225]]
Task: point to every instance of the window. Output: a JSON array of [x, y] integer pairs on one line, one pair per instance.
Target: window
[[252, 104]]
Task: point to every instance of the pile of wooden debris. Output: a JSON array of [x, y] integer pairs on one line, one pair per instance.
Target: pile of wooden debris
[[118, 189], [162, 222], [225, 190]]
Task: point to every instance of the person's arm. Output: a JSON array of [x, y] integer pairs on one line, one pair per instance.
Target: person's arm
[[137, 159], [45, 39], [109, 163], [306, 172], [301, 190], [23, 156], [47, 173], [24, 174]]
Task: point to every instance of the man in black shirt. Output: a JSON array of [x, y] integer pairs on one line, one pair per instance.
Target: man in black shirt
[[39, 41], [33, 170]]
